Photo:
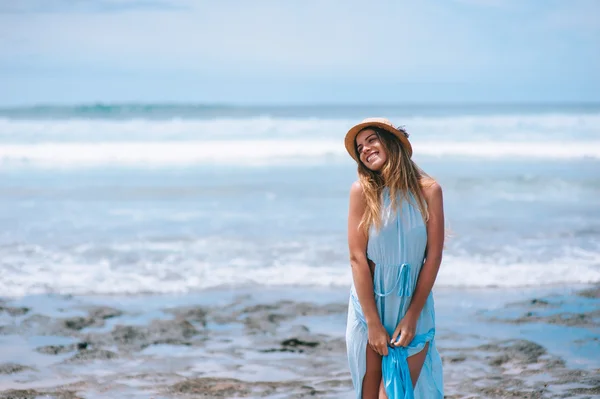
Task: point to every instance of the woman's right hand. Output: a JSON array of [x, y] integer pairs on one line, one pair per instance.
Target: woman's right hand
[[378, 339]]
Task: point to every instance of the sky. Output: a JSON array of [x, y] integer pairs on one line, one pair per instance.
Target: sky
[[298, 52]]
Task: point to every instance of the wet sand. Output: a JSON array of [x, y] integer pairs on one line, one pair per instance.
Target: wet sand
[[287, 343]]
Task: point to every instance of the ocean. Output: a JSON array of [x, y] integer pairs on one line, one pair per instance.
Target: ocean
[[229, 223], [176, 198]]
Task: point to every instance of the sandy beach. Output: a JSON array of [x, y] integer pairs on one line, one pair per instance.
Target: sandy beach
[[230, 343]]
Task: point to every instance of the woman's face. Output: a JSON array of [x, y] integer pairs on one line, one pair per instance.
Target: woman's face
[[370, 150]]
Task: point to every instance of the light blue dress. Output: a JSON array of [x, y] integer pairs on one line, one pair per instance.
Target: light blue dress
[[398, 251]]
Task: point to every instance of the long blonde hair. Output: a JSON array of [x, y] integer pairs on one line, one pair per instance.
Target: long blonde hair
[[399, 174]]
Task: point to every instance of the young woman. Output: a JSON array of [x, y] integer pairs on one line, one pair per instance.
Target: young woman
[[395, 237]]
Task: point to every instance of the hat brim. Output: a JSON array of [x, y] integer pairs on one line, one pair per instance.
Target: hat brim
[[353, 132]]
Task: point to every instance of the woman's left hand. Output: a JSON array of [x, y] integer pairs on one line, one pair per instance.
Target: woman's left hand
[[405, 330]]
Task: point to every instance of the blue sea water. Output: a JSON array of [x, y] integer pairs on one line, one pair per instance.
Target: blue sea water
[[176, 198]]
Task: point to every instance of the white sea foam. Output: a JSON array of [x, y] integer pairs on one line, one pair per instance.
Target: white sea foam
[[262, 152], [585, 126], [458, 271], [180, 270], [102, 130], [165, 153], [269, 140], [500, 149]]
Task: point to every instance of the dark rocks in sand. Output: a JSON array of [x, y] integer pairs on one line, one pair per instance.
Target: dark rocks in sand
[[12, 368], [586, 391], [526, 351], [295, 342], [172, 332], [258, 318], [520, 351], [311, 309], [574, 319], [104, 312], [212, 387], [294, 309], [534, 303], [125, 338], [174, 328], [539, 302], [92, 354], [506, 392], [281, 350], [554, 362], [135, 338], [20, 394], [513, 363], [69, 326], [499, 360], [56, 349], [195, 314], [536, 312], [127, 335], [267, 317], [33, 394], [14, 311], [584, 319], [208, 387], [581, 376], [263, 323], [293, 345], [85, 352], [95, 318], [260, 308], [77, 323], [590, 292]]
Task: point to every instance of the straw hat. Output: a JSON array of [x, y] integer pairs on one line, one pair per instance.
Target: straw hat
[[381, 123]]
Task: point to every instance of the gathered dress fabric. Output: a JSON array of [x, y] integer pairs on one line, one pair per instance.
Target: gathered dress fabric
[[398, 250]]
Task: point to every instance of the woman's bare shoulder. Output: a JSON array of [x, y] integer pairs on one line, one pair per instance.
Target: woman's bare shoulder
[[432, 190], [357, 194], [356, 188]]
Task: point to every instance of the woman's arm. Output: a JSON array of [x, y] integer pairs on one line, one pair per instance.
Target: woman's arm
[[363, 281], [435, 243]]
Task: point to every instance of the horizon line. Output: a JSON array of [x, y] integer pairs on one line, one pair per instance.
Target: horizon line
[[108, 104]]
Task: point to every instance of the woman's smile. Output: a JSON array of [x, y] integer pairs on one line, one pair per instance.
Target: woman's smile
[[370, 149], [371, 157]]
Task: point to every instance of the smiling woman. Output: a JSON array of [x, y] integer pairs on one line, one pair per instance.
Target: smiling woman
[[373, 156], [395, 238]]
